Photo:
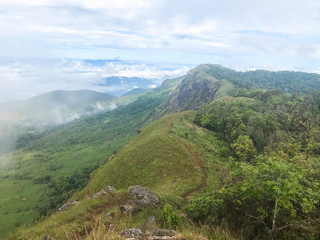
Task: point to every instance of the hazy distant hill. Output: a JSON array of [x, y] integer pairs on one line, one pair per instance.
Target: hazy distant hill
[[55, 107], [124, 84], [135, 91]]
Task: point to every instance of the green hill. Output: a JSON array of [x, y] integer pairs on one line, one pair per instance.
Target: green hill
[[65, 155], [162, 157], [243, 165], [287, 81]]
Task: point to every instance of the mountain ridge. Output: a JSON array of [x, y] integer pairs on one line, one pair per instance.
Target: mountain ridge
[[153, 158]]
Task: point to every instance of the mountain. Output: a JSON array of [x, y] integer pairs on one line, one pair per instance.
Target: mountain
[[71, 99], [135, 91], [124, 84], [66, 155], [56, 107], [243, 157], [196, 89], [287, 81]]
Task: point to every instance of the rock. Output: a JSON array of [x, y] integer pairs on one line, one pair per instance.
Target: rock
[[132, 233], [110, 214], [104, 192], [164, 233], [149, 225], [161, 238], [67, 205], [48, 237], [128, 209], [143, 197]]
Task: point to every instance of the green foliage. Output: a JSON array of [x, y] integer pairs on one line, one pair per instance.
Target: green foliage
[[276, 193], [243, 148], [270, 119], [272, 186], [287, 81], [169, 217], [207, 208]]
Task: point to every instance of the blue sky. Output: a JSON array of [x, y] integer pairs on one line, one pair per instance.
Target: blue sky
[[159, 38]]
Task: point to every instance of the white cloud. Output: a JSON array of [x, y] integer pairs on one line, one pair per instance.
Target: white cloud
[[229, 32], [24, 79]]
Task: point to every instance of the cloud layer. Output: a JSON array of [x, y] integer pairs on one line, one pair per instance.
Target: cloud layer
[[97, 29], [274, 34], [25, 78]]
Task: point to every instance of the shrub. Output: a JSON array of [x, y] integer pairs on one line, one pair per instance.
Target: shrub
[[169, 217], [207, 208]]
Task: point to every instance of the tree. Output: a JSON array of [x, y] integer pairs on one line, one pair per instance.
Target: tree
[[244, 148], [276, 193]]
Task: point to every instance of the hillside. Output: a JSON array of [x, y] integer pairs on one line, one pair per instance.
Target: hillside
[[287, 81], [64, 154], [207, 164], [184, 170], [196, 89]]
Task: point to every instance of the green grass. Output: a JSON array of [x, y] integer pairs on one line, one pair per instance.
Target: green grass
[[62, 152], [205, 145], [154, 159], [225, 88]]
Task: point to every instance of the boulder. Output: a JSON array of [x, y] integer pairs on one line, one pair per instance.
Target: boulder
[[132, 233], [128, 209], [143, 197], [67, 205], [164, 233], [104, 192]]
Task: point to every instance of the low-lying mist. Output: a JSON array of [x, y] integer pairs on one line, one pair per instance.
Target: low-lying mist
[[18, 121]]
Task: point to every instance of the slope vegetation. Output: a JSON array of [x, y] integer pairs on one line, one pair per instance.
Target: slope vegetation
[[172, 157], [48, 167]]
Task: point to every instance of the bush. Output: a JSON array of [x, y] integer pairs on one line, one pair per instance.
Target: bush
[[207, 208], [169, 217]]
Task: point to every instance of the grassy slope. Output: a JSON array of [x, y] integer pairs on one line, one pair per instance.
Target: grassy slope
[[153, 159], [62, 152], [150, 160]]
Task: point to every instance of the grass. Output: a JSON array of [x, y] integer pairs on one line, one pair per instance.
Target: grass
[[62, 152], [158, 158], [154, 159]]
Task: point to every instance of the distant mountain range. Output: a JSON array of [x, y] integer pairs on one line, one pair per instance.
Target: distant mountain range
[[121, 85], [55, 107]]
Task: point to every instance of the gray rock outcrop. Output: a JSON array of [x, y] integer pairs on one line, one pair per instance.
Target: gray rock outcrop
[[164, 233], [68, 205], [132, 233], [104, 192], [128, 209], [143, 197]]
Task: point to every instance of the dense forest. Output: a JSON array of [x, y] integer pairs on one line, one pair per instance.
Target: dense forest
[[270, 185]]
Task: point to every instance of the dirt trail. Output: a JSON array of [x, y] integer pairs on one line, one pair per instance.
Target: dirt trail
[[196, 162]]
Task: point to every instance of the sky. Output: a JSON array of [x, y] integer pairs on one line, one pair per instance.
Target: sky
[[44, 43]]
